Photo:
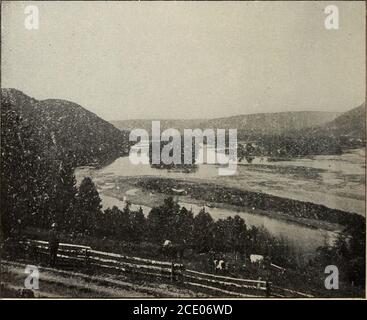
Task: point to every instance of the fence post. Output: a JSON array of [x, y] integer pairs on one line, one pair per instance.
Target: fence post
[[180, 273], [268, 288], [172, 271], [86, 257]]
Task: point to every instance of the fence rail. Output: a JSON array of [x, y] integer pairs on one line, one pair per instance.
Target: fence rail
[[78, 256]]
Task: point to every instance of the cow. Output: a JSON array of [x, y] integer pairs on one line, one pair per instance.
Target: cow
[[167, 244], [219, 266], [167, 248], [256, 258], [171, 250]]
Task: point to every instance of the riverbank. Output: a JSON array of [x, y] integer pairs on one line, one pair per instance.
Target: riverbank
[[137, 191], [336, 182], [212, 192]]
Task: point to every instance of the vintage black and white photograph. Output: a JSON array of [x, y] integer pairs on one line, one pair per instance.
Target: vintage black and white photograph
[[177, 149]]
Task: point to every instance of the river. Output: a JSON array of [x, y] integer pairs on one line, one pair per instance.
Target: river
[[303, 239]]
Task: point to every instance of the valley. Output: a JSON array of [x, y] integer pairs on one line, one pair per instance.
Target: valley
[[305, 180], [75, 170]]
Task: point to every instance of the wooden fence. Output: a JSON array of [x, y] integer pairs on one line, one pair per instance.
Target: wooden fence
[[226, 286], [218, 285], [67, 254]]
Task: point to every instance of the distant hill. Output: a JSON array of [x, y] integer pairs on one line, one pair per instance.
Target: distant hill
[[252, 124], [282, 134], [346, 131], [165, 124], [273, 123], [351, 124], [41, 144], [64, 128]]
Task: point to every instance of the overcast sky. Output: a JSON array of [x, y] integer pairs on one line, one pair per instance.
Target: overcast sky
[[186, 59]]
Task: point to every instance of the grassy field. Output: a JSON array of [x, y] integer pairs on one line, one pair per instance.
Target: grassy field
[[56, 283]]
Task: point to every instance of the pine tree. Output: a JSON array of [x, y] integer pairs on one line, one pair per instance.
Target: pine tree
[[88, 208], [183, 226], [203, 231], [161, 221], [138, 225], [65, 195], [25, 173], [238, 235], [123, 223]]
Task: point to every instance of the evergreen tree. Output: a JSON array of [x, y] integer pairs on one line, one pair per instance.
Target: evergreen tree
[[238, 238], [107, 224], [183, 226], [161, 221], [138, 225], [123, 223], [26, 173], [65, 193], [89, 206], [221, 241], [203, 231]]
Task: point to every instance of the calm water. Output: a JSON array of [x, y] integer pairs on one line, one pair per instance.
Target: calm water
[[302, 239]]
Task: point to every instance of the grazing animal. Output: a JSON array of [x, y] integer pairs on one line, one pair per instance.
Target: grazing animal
[[219, 266], [256, 258], [167, 243], [167, 248], [215, 262], [173, 251]]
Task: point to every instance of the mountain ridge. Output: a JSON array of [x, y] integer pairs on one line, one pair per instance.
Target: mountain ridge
[[349, 124], [258, 123], [67, 127]]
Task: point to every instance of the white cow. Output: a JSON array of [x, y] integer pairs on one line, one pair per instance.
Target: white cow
[[167, 248], [219, 265], [256, 258], [167, 243]]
